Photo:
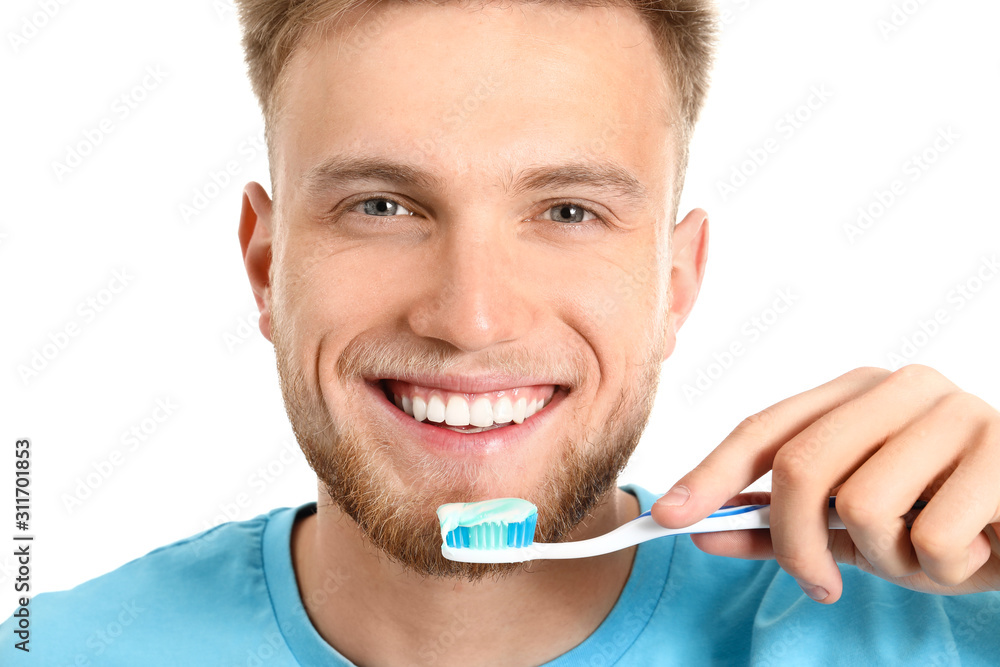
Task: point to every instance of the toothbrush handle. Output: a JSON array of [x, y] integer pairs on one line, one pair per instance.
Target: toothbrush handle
[[742, 517], [644, 528]]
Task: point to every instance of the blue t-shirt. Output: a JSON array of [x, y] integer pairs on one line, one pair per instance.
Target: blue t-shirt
[[228, 596]]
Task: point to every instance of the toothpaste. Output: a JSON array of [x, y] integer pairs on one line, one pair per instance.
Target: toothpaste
[[505, 510]]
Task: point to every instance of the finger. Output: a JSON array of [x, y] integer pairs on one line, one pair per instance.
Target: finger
[[824, 455], [948, 535], [748, 452], [912, 464], [747, 544]]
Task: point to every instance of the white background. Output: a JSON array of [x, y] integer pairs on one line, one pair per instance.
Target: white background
[[184, 330]]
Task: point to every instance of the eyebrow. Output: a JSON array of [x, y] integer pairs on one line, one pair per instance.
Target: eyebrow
[[609, 177]]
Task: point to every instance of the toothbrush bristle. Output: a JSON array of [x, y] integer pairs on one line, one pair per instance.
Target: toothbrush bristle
[[493, 535], [503, 523]]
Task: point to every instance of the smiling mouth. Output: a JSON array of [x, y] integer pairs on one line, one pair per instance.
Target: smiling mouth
[[464, 412]]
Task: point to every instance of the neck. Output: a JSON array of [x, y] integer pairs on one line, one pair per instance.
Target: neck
[[375, 612]]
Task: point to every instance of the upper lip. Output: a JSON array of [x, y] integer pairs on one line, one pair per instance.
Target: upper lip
[[471, 384]]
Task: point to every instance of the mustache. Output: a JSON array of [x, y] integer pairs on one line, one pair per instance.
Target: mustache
[[391, 356]]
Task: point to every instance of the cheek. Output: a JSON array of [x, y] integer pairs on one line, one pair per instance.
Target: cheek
[[613, 308], [619, 306], [324, 298], [336, 290]]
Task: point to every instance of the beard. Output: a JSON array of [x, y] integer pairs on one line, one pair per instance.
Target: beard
[[399, 518]]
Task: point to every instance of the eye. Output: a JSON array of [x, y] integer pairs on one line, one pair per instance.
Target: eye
[[381, 207], [569, 213]]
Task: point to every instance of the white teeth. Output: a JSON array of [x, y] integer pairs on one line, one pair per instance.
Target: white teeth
[[520, 407], [457, 413], [481, 412], [419, 409], [503, 411], [435, 409]]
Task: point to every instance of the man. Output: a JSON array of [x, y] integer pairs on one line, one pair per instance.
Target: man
[[470, 272]]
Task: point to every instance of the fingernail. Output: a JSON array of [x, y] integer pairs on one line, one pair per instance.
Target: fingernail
[[817, 593], [675, 497]]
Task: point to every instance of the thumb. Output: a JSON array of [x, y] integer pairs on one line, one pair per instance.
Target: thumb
[[699, 493]]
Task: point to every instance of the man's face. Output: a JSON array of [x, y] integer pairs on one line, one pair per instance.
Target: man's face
[[533, 273]]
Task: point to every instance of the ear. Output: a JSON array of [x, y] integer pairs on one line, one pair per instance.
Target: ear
[[255, 242], [690, 253]]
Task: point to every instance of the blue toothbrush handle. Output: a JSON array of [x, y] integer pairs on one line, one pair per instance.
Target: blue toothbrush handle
[[834, 519], [644, 528], [732, 513]]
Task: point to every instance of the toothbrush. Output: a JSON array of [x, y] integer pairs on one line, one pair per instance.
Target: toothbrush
[[503, 530]]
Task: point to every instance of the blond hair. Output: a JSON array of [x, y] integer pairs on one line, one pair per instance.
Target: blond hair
[[684, 31]]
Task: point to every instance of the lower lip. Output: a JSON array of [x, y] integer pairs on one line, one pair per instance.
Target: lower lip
[[445, 441]]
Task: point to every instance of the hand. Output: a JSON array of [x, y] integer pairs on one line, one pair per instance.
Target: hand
[[878, 441]]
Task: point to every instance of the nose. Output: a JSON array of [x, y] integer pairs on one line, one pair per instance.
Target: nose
[[473, 294]]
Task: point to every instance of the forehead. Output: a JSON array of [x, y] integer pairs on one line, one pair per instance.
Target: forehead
[[459, 87]]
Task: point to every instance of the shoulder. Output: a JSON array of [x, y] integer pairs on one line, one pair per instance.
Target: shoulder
[[196, 585]]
